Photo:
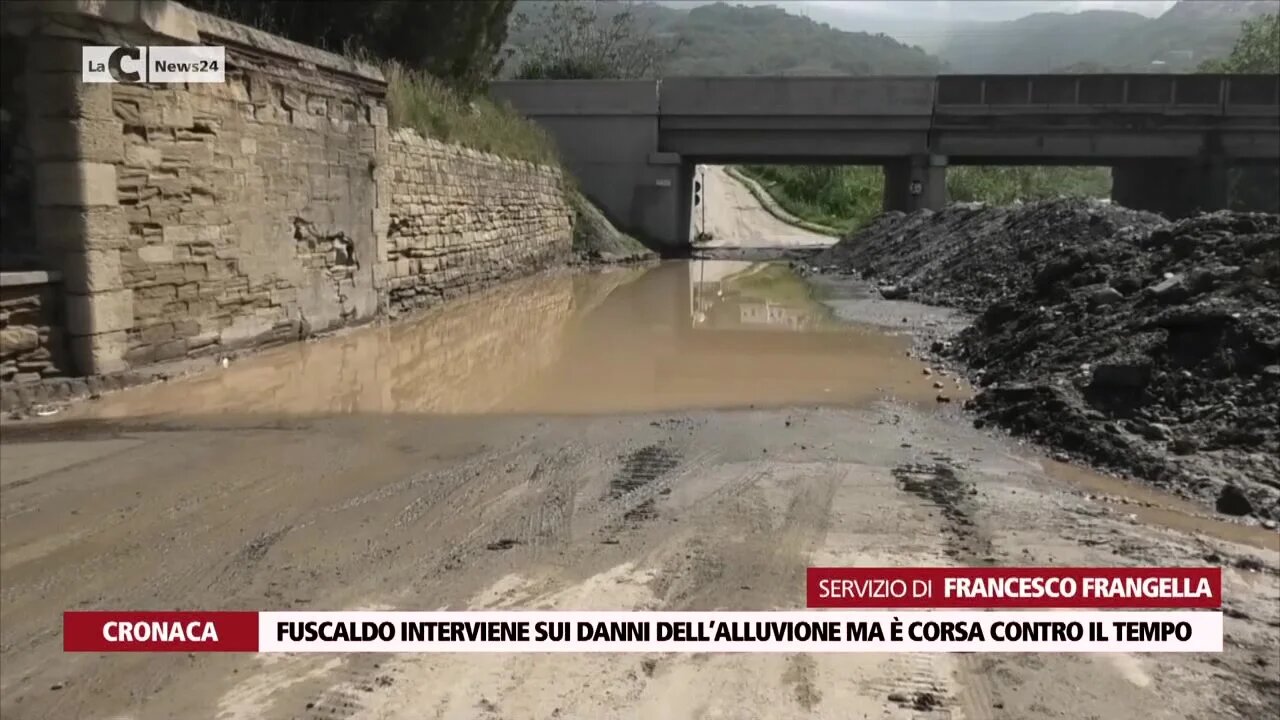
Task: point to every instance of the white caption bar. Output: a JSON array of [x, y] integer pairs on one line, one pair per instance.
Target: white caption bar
[[191, 64], [740, 632]]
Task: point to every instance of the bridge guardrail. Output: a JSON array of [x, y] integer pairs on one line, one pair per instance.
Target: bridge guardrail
[[1248, 94]]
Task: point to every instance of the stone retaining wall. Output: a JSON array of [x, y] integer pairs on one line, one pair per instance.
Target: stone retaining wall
[[460, 220], [189, 220], [31, 337]]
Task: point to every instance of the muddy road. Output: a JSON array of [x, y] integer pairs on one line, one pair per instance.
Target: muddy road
[[691, 436], [734, 218]]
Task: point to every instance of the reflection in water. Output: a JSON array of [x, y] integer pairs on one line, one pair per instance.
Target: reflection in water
[[680, 335], [730, 294]]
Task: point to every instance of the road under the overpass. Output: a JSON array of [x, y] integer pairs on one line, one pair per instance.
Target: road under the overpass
[[1169, 139]]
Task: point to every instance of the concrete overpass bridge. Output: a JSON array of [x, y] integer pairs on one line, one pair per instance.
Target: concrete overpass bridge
[[1169, 138]]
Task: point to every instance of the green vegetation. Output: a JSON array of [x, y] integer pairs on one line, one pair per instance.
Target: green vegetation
[[723, 39], [774, 282], [847, 197], [569, 38], [436, 57], [418, 100], [565, 39], [454, 40], [836, 196], [594, 237], [1257, 50], [1003, 185], [771, 205]]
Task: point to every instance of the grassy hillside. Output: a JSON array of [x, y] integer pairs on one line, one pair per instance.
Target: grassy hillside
[[1043, 42], [723, 39], [728, 40], [1100, 40]]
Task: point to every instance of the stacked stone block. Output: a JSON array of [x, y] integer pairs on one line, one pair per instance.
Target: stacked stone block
[[31, 337], [193, 219], [460, 219]]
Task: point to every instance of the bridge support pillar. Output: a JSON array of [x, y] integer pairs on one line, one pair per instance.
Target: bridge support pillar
[[1173, 188], [916, 183]]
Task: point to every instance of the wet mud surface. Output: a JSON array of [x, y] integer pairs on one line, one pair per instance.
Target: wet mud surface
[[687, 438]]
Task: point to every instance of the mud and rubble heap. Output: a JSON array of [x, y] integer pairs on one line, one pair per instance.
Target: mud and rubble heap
[[1141, 345]]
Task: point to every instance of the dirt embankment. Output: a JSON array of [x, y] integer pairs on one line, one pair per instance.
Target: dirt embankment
[[596, 240], [1114, 336]]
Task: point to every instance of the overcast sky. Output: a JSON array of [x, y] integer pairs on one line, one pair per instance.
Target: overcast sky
[[986, 9]]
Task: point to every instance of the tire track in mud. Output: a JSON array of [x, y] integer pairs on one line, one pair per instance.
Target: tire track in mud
[[940, 485], [442, 497], [546, 516], [967, 543], [628, 500], [639, 468]]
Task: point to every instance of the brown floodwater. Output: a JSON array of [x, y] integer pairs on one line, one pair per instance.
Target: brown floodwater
[[1157, 507], [696, 334]]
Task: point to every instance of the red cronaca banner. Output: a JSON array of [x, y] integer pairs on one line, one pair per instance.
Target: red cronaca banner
[[1009, 587], [131, 631]]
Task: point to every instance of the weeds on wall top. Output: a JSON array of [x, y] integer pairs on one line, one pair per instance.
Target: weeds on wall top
[[416, 99]]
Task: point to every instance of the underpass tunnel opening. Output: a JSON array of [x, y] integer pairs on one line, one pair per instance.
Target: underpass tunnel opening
[[844, 197], [841, 197]]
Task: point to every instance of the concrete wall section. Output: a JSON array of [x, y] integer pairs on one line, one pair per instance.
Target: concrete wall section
[[916, 183], [1174, 188], [849, 120], [608, 132], [845, 146], [579, 97], [804, 96]]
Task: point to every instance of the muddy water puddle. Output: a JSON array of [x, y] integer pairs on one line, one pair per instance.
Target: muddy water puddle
[[697, 334], [1152, 506]]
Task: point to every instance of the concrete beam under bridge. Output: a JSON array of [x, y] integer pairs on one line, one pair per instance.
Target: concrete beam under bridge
[[1173, 188], [916, 183]]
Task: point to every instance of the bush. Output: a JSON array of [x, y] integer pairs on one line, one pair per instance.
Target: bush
[[418, 100], [846, 198], [839, 197]]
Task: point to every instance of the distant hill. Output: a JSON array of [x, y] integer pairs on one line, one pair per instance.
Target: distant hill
[[1177, 41], [723, 39]]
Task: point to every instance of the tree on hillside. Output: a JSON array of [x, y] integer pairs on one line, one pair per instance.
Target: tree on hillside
[[1257, 50], [455, 40], [572, 40]]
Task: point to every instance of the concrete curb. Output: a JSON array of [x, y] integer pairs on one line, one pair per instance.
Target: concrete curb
[[771, 206]]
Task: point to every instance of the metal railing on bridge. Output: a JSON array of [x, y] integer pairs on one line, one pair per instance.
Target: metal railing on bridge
[[1201, 93]]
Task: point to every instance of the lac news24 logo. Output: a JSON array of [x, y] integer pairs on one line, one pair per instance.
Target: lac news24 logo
[[153, 64]]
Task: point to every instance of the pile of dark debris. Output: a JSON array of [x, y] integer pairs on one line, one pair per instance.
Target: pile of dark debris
[[1138, 344]]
